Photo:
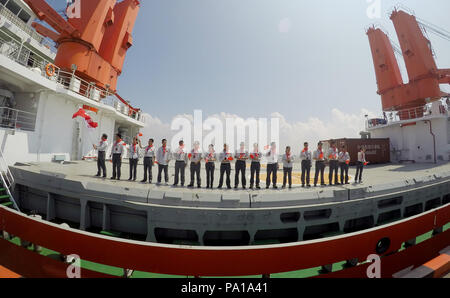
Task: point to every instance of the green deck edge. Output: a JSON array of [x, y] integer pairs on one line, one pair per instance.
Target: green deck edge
[[118, 272]]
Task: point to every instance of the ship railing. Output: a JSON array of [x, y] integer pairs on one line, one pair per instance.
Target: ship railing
[[76, 84], [68, 80], [21, 54], [17, 119], [5, 12], [88, 89], [7, 178], [406, 114]]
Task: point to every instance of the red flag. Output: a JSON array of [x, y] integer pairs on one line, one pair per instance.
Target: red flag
[[81, 113]]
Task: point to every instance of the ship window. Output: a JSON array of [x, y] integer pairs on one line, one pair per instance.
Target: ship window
[[431, 204], [321, 231], [358, 224], [290, 217], [13, 7], [317, 214], [389, 217], [276, 236], [176, 236], [389, 202], [446, 199], [226, 238], [24, 16], [413, 210]]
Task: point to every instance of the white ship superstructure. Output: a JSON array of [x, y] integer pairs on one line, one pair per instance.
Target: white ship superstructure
[[423, 138], [36, 109]]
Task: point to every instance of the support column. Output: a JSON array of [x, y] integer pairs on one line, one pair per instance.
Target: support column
[[150, 228], [85, 216], [106, 225], [51, 212]]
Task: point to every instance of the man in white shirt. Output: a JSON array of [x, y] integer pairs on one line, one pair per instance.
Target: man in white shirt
[[163, 158], [101, 148], [181, 160], [306, 157], [241, 164], [133, 156], [117, 151], [196, 158], [288, 164], [344, 162], [225, 158], [272, 165], [333, 162], [319, 157], [149, 160], [210, 160], [360, 164], [255, 167]]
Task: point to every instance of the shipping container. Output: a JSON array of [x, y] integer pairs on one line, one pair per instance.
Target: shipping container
[[377, 150]]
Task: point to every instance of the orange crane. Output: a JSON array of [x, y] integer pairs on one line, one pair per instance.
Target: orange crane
[[96, 42], [424, 76]]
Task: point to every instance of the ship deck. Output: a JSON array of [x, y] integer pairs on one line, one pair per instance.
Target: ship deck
[[376, 178]]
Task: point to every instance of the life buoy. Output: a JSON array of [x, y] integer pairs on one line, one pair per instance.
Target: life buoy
[[50, 69]]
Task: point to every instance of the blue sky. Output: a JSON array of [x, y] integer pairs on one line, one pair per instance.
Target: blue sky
[[229, 56], [232, 56]]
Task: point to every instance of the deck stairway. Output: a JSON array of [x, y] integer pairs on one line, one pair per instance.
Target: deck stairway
[[6, 184], [5, 199]]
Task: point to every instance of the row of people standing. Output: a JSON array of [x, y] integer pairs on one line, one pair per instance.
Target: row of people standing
[[162, 156]]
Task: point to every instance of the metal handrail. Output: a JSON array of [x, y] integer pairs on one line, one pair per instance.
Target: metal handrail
[[17, 119], [7, 178], [410, 114], [26, 57], [20, 24]]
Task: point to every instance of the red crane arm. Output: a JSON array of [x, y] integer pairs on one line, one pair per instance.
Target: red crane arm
[[46, 32], [386, 66], [100, 23], [46, 13], [415, 46]]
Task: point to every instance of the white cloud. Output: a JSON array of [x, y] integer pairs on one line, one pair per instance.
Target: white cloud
[[285, 25], [294, 134], [313, 130]]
